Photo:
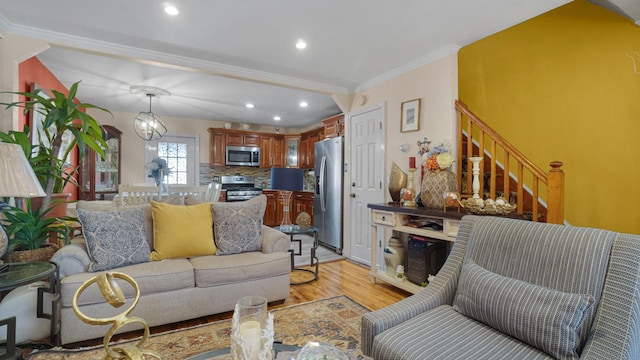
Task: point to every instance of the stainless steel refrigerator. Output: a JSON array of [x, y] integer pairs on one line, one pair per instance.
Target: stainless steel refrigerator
[[327, 202]]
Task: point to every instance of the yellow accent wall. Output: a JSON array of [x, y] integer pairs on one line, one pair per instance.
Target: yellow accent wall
[[561, 87]]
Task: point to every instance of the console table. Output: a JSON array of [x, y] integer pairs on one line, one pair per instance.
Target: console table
[[439, 224]]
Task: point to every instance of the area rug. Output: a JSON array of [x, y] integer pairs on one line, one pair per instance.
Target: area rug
[[334, 320]]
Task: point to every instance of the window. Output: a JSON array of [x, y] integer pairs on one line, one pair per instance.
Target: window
[[176, 156], [181, 154]]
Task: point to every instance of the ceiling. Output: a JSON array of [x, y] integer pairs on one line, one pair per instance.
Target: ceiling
[[216, 56]]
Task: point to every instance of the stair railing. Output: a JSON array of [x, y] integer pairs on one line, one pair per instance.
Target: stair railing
[[530, 181]]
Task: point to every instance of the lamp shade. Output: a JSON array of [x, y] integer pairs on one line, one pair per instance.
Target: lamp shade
[[17, 178], [287, 179]]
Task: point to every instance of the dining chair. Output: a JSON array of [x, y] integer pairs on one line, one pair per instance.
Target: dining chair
[[213, 192], [184, 190], [137, 194]]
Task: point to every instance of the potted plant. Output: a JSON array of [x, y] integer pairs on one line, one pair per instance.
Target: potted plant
[[29, 229], [62, 116]]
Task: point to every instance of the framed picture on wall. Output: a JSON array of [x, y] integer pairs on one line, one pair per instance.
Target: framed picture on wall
[[410, 119]]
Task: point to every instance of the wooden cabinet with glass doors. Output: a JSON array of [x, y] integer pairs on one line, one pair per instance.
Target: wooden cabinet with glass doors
[[99, 176]]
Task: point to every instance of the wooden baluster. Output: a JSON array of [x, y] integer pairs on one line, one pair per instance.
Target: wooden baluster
[[555, 194], [492, 185], [534, 200], [519, 188], [460, 151], [507, 177], [469, 155]]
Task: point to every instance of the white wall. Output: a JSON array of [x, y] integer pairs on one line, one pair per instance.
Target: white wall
[[436, 84]]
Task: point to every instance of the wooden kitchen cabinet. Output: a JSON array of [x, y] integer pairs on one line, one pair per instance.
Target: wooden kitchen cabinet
[[334, 126], [271, 151], [307, 147], [271, 211], [217, 147], [302, 202], [243, 139], [292, 151]]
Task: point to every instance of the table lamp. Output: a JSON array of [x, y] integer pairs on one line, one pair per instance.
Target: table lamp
[[17, 180], [286, 181]]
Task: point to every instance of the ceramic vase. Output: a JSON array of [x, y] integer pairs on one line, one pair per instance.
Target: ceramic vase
[[434, 184]]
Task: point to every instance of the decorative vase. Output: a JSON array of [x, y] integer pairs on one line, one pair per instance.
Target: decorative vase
[[397, 180], [409, 193], [434, 184]]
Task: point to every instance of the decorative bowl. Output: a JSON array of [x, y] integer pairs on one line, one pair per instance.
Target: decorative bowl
[[488, 207]]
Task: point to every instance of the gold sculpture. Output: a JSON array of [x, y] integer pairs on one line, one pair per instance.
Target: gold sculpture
[[303, 220], [112, 293]]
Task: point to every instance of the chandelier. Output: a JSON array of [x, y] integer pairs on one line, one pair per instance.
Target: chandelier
[[147, 125]]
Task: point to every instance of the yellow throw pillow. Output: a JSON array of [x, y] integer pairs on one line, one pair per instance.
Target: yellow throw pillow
[[182, 231]]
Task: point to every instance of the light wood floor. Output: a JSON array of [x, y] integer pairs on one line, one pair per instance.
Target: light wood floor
[[342, 277]]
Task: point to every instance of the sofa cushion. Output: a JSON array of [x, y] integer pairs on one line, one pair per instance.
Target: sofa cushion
[[154, 277], [114, 238], [238, 225], [545, 318], [220, 270], [442, 333], [181, 231]]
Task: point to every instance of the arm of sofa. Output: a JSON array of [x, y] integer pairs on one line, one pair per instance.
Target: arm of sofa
[[274, 240], [71, 259]]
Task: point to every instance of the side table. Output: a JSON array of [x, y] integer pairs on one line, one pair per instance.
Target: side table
[[18, 274], [297, 230]]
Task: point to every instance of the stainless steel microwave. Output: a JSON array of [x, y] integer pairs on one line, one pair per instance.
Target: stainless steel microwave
[[243, 155]]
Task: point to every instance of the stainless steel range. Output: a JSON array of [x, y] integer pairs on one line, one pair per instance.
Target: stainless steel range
[[239, 187]]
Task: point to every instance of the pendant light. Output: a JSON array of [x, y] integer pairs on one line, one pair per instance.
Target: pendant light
[[147, 125]]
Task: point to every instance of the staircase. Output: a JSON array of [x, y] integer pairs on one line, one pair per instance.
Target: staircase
[[507, 172]]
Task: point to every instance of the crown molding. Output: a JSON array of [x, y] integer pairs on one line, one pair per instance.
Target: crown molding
[[435, 55], [167, 59], [5, 25]]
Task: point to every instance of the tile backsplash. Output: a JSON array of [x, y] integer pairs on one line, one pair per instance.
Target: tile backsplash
[[263, 176]]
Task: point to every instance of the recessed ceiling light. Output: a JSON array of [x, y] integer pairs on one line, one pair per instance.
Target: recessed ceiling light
[[301, 44], [249, 106], [303, 104], [171, 10], [277, 118]]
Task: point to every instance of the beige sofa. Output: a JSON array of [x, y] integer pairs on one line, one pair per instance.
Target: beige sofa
[[173, 290]]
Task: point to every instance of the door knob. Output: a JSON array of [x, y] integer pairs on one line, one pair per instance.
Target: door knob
[[353, 184], [353, 195]]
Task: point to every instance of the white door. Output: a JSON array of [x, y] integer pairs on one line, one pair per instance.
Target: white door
[[366, 171], [182, 155]]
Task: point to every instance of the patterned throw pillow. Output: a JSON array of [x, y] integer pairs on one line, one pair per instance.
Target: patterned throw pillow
[[237, 226], [114, 238], [544, 318]]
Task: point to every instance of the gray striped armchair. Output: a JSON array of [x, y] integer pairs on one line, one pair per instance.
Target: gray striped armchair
[[512, 289]]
